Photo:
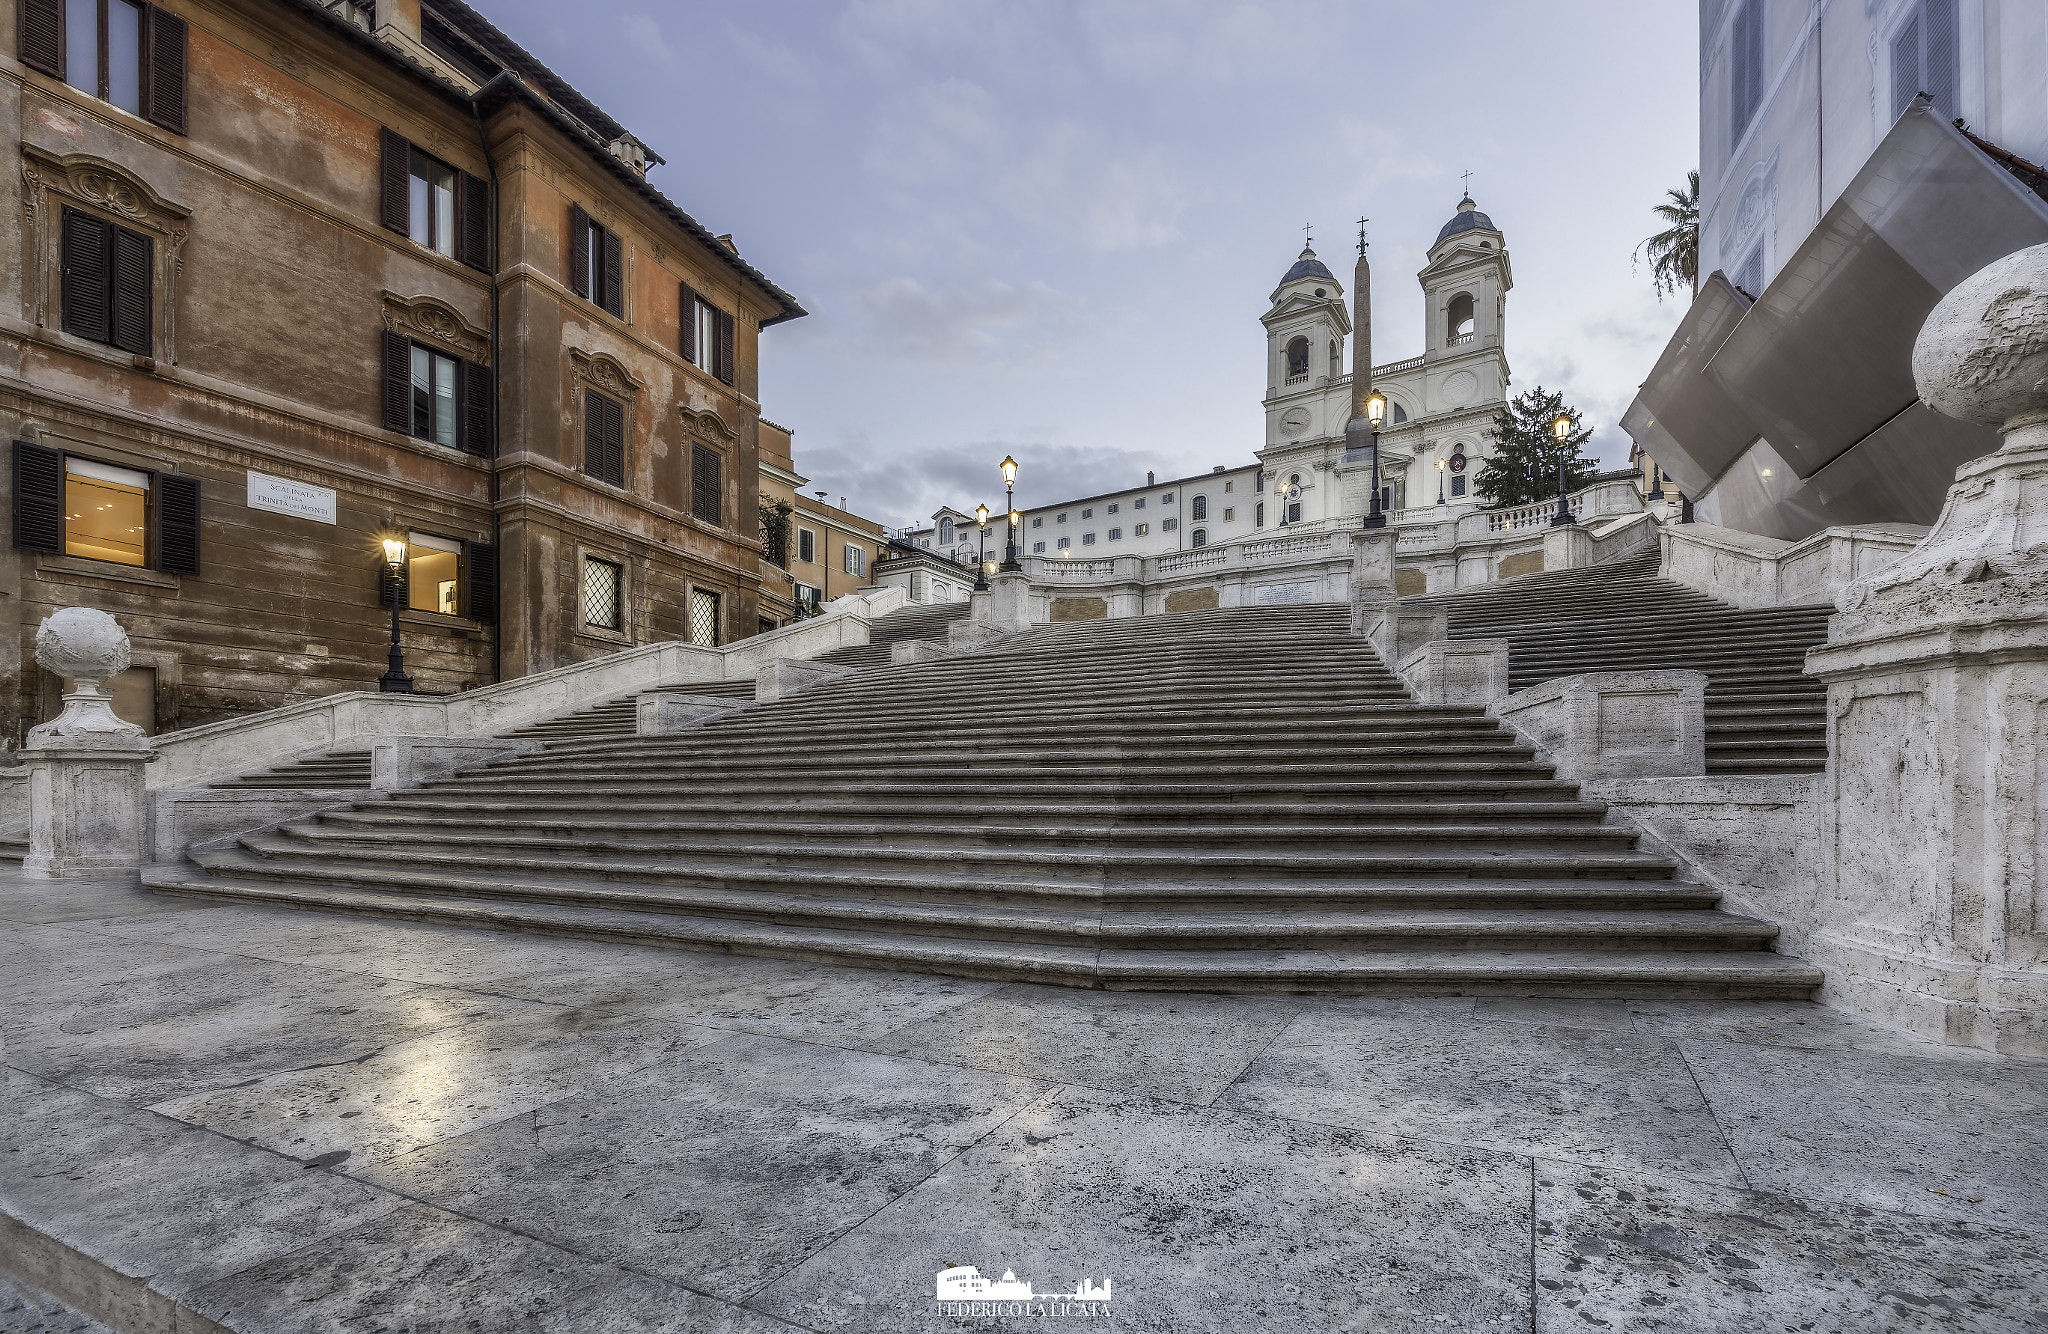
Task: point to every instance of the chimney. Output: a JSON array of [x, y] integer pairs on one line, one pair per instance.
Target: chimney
[[1148, 479], [1217, 468]]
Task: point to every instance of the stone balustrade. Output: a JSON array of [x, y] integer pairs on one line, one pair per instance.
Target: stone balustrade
[[1754, 571]]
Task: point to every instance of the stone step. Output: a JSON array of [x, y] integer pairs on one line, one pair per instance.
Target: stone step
[[1721, 973], [906, 807]]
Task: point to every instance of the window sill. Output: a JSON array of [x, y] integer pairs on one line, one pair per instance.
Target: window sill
[[608, 638], [84, 567], [436, 620]]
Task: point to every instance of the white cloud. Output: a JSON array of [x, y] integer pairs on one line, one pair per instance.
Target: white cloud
[[975, 320], [644, 34]]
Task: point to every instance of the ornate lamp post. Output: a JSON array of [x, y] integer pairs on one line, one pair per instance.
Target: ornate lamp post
[[1010, 564], [1375, 412], [1441, 464], [395, 681], [981, 561], [1562, 429]]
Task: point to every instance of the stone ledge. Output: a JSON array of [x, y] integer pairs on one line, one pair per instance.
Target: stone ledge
[[1615, 724]]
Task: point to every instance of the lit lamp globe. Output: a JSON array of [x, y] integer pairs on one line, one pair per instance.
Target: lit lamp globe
[[981, 515], [1376, 408]]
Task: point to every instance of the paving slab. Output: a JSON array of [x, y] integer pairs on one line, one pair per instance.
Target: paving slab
[[432, 1088], [1199, 1219], [222, 1019], [1786, 1024], [1596, 1096], [27, 899], [1619, 1252], [58, 965], [1954, 1139], [1184, 1048], [720, 1169], [424, 1269], [144, 1195]]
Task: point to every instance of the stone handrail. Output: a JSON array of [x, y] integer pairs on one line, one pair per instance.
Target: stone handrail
[[196, 756], [1618, 541], [1753, 571], [1396, 367]]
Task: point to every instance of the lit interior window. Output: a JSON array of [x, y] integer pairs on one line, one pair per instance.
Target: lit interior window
[[106, 511], [433, 203], [433, 574]]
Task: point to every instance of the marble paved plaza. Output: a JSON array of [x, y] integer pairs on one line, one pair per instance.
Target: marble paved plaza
[[291, 1121]]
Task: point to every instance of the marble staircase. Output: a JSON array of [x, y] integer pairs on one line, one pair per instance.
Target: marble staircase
[[1764, 714], [1237, 800]]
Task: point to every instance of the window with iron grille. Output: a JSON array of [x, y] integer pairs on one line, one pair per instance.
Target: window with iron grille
[[1200, 509], [707, 485], [703, 618], [602, 585]]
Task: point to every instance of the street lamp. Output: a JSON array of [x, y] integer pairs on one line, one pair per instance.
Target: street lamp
[[1562, 429], [1440, 466], [1375, 412], [395, 681], [981, 561], [1009, 466]]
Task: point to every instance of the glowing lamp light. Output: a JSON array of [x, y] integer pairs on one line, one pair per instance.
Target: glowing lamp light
[[981, 515], [1009, 466], [1562, 427], [394, 551], [1376, 408]]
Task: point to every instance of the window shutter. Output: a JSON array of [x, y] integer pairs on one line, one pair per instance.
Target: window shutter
[[1938, 68], [131, 252], [1905, 66], [397, 382], [84, 272], [390, 584], [604, 438], [177, 523], [42, 36], [38, 497], [686, 303], [579, 250], [395, 177], [722, 365], [613, 297], [707, 485], [477, 410], [483, 581], [473, 220], [163, 69]]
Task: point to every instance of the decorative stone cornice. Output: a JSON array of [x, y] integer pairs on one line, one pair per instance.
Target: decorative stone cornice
[[432, 320], [109, 188], [604, 372], [709, 426]]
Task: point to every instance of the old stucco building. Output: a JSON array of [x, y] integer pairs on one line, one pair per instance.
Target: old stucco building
[[292, 278]]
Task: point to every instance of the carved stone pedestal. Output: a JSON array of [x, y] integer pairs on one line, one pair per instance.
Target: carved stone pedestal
[[85, 809], [1372, 577], [1933, 901]]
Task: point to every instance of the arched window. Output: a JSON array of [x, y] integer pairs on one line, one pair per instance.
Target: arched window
[[945, 531], [1458, 322], [1200, 508], [1199, 538], [1294, 479], [1297, 360], [1336, 360], [1400, 414]]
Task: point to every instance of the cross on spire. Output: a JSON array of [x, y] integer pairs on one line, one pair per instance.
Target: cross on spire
[[1361, 234], [1308, 242], [1467, 179]]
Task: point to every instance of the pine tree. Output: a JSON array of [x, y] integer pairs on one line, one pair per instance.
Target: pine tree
[[1522, 468]]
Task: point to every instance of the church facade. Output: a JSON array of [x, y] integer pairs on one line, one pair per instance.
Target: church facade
[[1440, 404]]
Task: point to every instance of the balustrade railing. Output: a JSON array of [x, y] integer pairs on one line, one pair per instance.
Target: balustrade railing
[[1396, 367]]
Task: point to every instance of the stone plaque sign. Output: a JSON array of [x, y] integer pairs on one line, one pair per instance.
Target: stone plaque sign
[[284, 496], [1272, 595]]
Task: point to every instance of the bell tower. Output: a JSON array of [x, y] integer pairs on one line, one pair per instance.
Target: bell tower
[[1306, 326], [1464, 292]]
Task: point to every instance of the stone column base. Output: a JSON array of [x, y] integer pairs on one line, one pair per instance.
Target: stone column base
[[86, 810]]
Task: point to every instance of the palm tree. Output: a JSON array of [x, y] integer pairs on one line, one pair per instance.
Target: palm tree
[[1675, 251]]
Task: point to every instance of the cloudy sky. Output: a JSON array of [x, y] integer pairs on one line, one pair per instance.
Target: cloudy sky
[[1049, 227]]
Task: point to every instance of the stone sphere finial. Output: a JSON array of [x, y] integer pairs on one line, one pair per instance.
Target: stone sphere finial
[[1982, 355], [82, 644]]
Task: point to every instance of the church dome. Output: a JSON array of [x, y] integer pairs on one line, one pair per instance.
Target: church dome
[[1467, 219], [1308, 266]]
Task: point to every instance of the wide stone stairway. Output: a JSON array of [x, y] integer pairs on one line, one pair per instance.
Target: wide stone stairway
[[1236, 800], [1764, 714]]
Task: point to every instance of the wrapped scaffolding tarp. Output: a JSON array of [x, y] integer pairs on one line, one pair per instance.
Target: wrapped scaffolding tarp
[[1815, 378]]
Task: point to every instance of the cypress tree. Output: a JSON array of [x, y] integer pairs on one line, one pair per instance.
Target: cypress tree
[[1524, 460]]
